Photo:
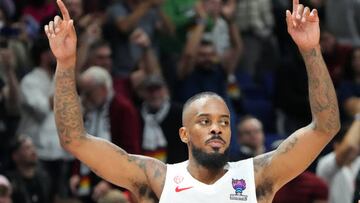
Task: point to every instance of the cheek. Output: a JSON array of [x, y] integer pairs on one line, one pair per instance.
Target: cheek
[[197, 135]]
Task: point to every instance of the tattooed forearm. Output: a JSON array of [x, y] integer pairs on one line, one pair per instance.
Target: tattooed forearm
[[323, 101], [67, 110]]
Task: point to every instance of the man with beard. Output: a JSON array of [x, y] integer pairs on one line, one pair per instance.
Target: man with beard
[[206, 64], [207, 176], [30, 183]]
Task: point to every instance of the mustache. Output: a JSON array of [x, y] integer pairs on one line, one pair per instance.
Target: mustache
[[215, 137]]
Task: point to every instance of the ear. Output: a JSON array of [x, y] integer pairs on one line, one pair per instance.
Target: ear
[[184, 135]]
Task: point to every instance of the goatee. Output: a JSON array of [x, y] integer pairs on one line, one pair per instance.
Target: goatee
[[213, 161]]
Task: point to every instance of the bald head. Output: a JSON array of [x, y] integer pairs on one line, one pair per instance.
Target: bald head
[[198, 99]]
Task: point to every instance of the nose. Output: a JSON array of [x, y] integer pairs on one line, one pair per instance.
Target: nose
[[215, 129]]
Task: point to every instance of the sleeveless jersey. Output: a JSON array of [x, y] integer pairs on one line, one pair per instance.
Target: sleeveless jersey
[[236, 186]]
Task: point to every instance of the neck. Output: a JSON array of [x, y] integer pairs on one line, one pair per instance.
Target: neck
[[204, 175], [26, 171]]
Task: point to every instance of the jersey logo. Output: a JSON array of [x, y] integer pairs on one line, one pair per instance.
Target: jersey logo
[[178, 179], [239, 187], [178, 189]]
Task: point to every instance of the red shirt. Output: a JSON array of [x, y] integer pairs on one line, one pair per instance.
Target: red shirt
[[305, 188]]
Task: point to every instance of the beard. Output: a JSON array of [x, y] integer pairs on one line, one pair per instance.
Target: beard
[[213, 161]]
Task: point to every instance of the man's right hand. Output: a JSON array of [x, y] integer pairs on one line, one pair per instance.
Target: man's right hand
[[62, 36]]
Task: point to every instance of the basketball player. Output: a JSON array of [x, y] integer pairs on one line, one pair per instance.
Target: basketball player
[[206, 176]]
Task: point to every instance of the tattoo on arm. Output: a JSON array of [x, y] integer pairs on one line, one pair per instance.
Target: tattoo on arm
[[265, 186], [323, 101], [155, 174], [262, 161], [288, 145], [68, 114]]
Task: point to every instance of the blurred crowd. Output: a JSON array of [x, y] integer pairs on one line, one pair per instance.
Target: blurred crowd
[[140, 60]]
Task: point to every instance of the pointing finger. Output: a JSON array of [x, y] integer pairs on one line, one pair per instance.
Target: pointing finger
[[295, 5], [63, 9]]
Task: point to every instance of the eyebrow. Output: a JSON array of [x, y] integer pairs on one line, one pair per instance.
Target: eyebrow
[[207, 114]]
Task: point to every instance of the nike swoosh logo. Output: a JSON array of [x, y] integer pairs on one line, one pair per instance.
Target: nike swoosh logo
[[177, 189]]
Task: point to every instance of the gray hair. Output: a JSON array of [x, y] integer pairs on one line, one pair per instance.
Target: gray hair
[[100, 77]]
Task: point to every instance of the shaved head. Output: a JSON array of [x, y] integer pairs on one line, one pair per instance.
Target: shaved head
[[195, 98]]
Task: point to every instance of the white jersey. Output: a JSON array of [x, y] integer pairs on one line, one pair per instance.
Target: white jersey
[[237, 185]]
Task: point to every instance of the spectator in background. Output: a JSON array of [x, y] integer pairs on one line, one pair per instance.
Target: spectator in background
[[161, 121], [250, 137], [291, 89], [340, 167], [342, 20], [114, 196], [349, 89], [37, 117], [335, 55], [15, 37], [255, 20], [201, 68], [31, 184], [182, 15], [125, 92], [40, 10], [9, 104], [99, 54], [5, 190], [124, 17], [305, 188]]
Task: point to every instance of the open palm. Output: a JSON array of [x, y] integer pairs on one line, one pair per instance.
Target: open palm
[[303, 26], [61, 34]]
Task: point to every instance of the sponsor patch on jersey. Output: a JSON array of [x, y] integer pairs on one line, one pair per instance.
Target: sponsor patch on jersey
[[239, 186]]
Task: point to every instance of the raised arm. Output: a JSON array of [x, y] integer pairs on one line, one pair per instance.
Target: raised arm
[[298, 151], [136, 173], [149, 63], [187, 61], [231, 57], [127, 24]]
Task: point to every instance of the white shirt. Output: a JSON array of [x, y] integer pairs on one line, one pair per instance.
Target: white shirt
[[236, 186], [341, 181], [37, 119]]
